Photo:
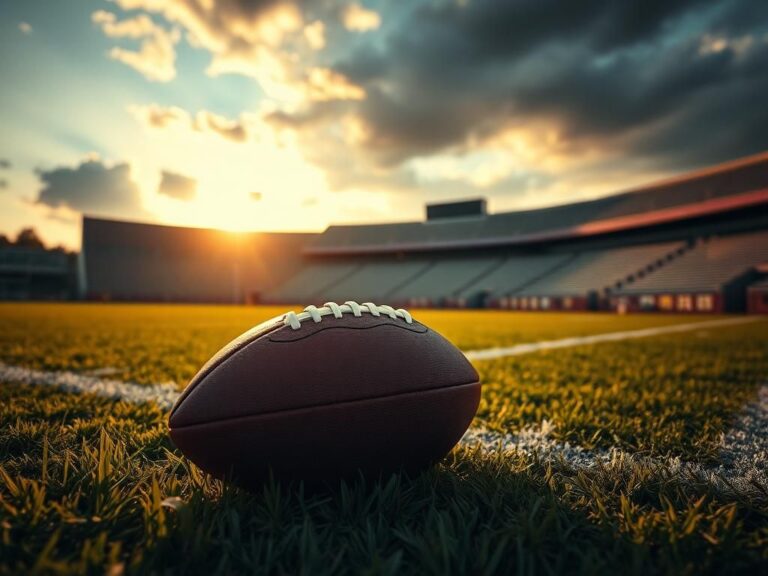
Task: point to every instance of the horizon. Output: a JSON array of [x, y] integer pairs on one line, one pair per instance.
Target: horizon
[[277, 116]]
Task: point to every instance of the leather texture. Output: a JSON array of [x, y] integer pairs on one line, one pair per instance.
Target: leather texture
[[404, 432], [344, 394], [336, 360]]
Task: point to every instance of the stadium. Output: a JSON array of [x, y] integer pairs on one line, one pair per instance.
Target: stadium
[[354, 287], [694, 243]]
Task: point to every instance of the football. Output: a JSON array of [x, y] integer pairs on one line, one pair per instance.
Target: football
[[326, 393]]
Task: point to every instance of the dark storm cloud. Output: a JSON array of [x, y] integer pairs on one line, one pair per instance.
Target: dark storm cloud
[[91, 187], [3, 184], [628, 75], [177, 186], [4, 164]]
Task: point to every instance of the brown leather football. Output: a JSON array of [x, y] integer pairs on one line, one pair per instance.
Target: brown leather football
[[326, 393]]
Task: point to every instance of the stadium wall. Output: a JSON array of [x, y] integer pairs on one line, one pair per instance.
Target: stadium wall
[[128, 261]]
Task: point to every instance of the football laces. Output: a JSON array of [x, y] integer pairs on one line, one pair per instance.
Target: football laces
[[316, 314]]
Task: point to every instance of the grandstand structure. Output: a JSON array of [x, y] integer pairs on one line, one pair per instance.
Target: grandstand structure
[[694, 243], [128, 261], [28, 273]]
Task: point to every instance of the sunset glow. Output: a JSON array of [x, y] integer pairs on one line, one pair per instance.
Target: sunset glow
[[285, 116]]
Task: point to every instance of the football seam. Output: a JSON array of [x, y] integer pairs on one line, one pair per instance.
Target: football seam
[[325, 405], [384, 322]]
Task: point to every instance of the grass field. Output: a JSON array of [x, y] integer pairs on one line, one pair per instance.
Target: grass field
[[92, 485]]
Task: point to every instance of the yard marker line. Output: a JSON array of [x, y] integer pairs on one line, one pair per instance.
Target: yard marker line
[[164, 395], [520, 349], [742, 463]]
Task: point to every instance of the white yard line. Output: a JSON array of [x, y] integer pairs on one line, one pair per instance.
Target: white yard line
[[519, 349], [164, 395], [742, 466]]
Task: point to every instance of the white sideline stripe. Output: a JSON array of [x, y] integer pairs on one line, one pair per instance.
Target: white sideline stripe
[[742, 464], [519, 349], [164, 395]]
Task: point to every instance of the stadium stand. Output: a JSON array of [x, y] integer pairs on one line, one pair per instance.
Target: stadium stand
[[637, 250], [588, 274], [377, 281], [145, 262], [445, 279], [36, 274], [703, 278], [515, 273], [313, 280]]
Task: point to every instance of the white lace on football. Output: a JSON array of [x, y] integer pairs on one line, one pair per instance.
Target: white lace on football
[[316, 314]]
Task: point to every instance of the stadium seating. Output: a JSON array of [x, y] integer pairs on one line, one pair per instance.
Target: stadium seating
[[376, 281], [445, 279], [515, 273], [599, 270], [310, 284], [707, 267]]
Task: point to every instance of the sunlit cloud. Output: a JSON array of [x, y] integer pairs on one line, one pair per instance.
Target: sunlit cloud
[[360, 19], [92, 186], [177, 186], [156, 57], [158, 117], [323, 84], [25, 27], [315, 35], [715, 44]]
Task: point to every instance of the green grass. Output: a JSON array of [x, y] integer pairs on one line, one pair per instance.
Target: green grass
[[89, 485], [161, 343], [669, 395]]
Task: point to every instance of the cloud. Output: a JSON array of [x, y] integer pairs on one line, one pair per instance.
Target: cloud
[[160, 117], [92, 187], [4, 164], [234, 130], [356, 17], [488, 94], [244, 37], [166, 117], [25, 27], [487, 90], [3, 183], [315, 34], [177, 186], [323, 84], [156, 57]]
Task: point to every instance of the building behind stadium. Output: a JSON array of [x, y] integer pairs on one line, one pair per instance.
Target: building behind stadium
[[694, 243]]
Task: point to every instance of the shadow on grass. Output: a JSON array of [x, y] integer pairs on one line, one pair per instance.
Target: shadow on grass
[[89, 485]]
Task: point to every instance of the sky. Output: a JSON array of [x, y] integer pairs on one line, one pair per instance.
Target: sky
[[292, 115]]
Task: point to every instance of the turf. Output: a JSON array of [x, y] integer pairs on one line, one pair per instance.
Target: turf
[[150, 344], [89, 485]]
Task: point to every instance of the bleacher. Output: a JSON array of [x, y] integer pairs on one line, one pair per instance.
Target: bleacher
[[314, 281], [515, 273], [376, 281], [35, 273], [707, 267], [445, 279], [599, 270]]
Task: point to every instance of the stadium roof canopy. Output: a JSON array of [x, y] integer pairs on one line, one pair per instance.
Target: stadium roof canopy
[[731, 186]]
